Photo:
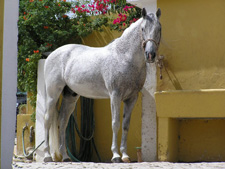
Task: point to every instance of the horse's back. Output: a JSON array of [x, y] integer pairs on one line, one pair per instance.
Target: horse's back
[[79, 67]]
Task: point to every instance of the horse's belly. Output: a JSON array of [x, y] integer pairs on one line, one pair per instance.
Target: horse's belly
[[90, 91]]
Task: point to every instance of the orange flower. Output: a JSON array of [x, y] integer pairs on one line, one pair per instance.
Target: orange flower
[[64, 16], [46, 7], [24, 13], [45, 27], [31, 0], [24, 18], [59, 5], [27, 59], [36, 51], [64, 0]]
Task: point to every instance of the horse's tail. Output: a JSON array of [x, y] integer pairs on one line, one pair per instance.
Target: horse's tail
[[53, 133]]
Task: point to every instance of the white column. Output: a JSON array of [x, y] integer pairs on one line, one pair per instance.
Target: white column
[[149, 123], [40, 111], [9, 74]]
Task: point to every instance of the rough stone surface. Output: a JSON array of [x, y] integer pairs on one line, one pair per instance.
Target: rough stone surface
[[149, 126], [144, 165]]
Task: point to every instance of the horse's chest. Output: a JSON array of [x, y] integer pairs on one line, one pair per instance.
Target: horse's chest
[[127, 79], [133, 80]]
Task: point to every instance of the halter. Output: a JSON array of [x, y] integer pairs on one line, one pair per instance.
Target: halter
[[159, 60], [152, 40]]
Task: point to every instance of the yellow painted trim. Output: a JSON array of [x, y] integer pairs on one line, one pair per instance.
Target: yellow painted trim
[[1, 57], [191, 103]]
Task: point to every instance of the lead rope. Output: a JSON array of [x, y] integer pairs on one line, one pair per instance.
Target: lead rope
[[159, 63]]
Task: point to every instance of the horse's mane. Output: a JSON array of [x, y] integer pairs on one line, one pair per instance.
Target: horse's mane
[[128, 30], [132, 27]]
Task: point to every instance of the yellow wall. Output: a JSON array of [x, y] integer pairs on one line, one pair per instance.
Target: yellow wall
[[23, 120], [190, 125], [103, 130], [206, 143], [193, 44], [193, 39]]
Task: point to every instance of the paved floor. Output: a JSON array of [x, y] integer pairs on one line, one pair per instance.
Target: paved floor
[[28, 164], [144, 165]]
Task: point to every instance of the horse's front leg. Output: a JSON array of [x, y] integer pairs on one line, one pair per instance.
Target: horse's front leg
[[115, 110], [128, 107]]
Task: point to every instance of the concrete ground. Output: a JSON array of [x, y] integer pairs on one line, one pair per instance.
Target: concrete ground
[[29, 164], [144, 165], [21, 163]]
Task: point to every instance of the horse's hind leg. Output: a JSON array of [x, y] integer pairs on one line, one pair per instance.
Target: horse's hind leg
[[115, 110], [128, 107], [68, 105], [52, 93]]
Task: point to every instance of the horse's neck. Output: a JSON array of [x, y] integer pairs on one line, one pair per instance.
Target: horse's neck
[[130, 44]]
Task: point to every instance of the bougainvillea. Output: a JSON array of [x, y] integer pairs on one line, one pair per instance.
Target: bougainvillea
[[45, 25]]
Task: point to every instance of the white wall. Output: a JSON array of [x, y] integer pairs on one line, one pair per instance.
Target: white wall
[[9, 76], [40, 112], [149, 5]]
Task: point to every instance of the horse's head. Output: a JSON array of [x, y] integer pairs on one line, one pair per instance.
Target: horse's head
[[151, 33]]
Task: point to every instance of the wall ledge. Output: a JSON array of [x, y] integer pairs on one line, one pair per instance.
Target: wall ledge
[[204, 103]]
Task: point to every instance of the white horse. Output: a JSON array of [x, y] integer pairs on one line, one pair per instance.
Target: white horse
[[116, 71]]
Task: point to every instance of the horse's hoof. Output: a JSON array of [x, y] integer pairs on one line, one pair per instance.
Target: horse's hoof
[[126, 160], [48, 159], [67, 160], [116, 160]]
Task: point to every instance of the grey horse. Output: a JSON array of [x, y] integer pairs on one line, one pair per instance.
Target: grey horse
[[116, 71]]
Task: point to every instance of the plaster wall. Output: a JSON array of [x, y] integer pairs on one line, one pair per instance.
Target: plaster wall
[[193, 46]]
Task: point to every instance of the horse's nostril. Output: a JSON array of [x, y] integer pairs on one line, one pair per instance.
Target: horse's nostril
[[153, 55], [146, 53]]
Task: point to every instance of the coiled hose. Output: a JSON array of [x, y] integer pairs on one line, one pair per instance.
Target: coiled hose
[[25, 155], [86, 134]]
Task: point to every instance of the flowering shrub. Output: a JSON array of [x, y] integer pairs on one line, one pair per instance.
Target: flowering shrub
[[44, 25]]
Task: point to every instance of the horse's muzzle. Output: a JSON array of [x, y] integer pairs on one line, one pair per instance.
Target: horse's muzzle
[[150, 57]]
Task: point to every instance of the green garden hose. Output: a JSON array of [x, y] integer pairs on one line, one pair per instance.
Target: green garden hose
[[23, 144], [86, 134]]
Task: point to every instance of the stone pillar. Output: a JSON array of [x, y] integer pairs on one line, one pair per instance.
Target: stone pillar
[[149, 124]]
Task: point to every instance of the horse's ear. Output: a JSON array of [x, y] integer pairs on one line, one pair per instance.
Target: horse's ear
[[144, 12], [158, 13]]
